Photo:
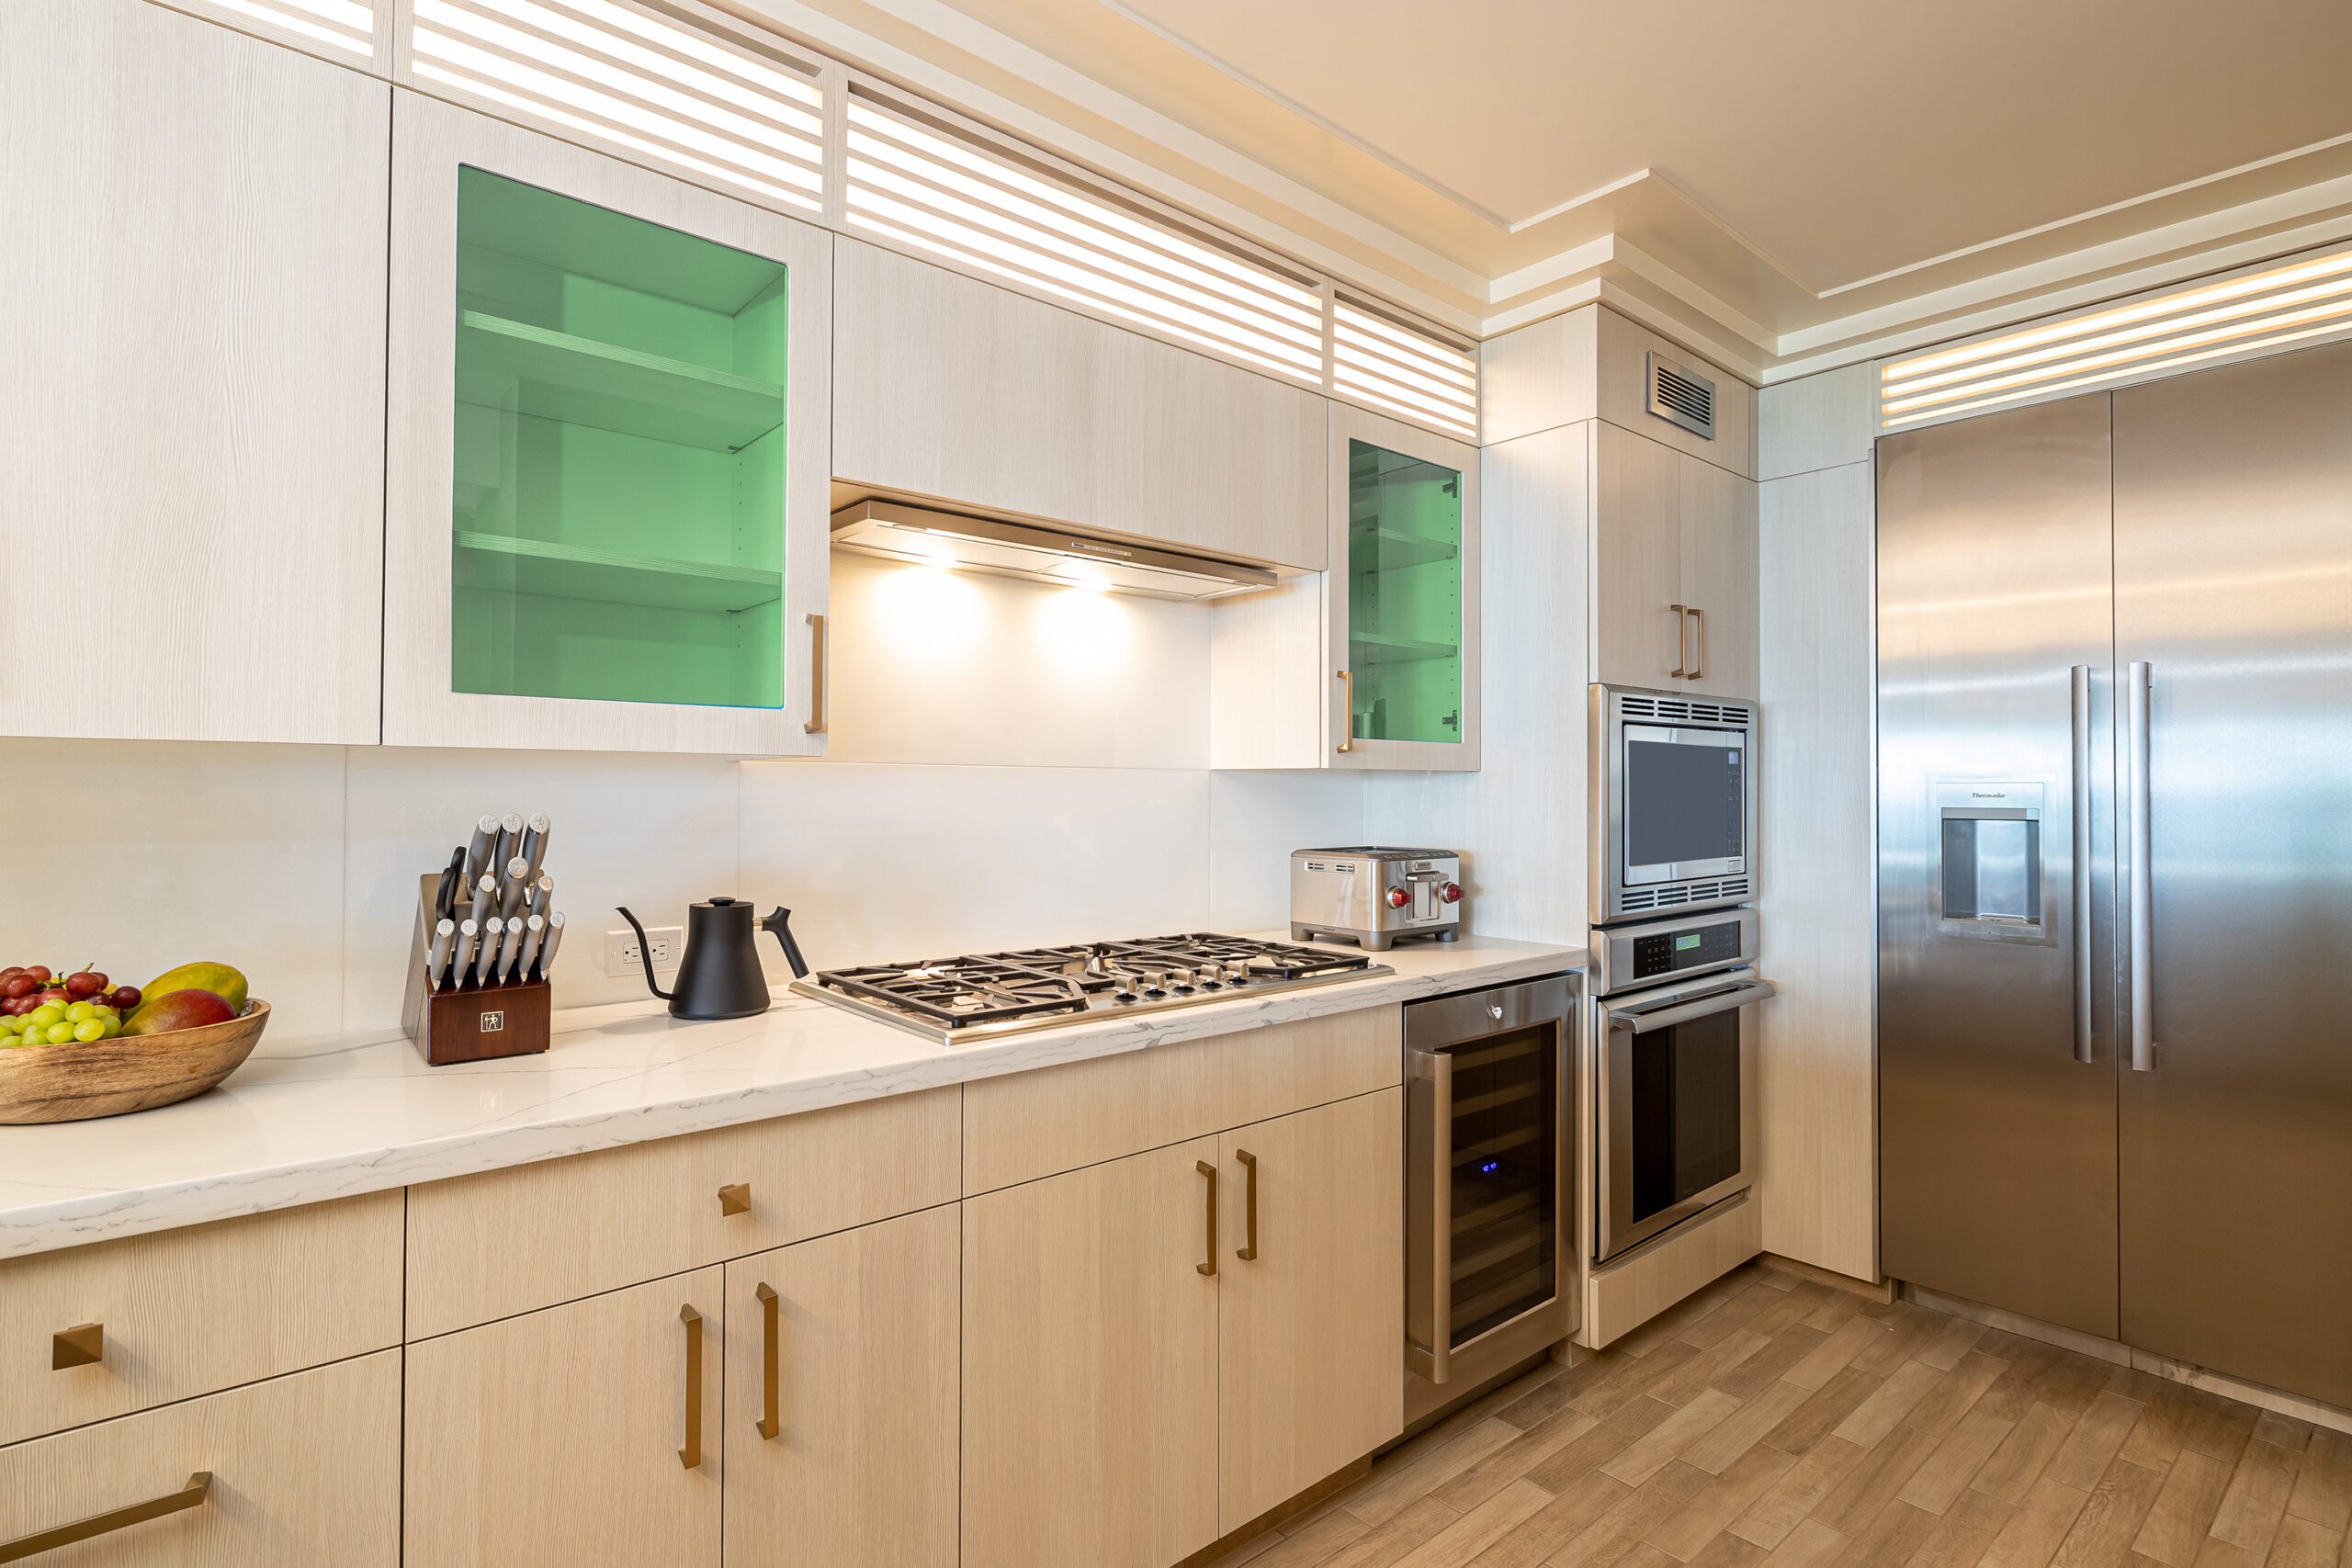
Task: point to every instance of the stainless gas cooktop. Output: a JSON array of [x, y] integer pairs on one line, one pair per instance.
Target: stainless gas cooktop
[[983, 995]]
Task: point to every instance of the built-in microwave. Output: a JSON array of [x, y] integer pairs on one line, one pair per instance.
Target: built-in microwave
[[1673, 802]]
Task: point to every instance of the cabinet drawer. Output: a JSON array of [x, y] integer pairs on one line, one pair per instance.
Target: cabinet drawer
[[1032, 1124], [509, 1241], [187, 1312], [303, 1470]]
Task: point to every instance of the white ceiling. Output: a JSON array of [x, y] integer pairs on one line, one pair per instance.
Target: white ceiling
[[1791, 181]]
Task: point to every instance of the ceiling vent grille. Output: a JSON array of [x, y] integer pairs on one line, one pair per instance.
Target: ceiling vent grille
[[1681, 396], [2241, 316], [930, 186], [1378, 360], [722, 107], [345, 26]]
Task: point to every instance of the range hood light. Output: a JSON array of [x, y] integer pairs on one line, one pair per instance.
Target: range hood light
[[1038, 551]]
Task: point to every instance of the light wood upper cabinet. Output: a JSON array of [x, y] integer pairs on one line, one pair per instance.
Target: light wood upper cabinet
[[1311, 1325], [1669, 530], [840, 1431], [610, 419], [949, 388], [303, 1471], [192, 381], [1373, 663], [1091, 1365], [560, 1438]]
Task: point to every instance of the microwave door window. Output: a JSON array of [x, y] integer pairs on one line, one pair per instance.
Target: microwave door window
[[1683, 802]]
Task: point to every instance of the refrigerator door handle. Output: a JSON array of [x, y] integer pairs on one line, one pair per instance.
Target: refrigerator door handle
[[2140, 795], [2081, 788]]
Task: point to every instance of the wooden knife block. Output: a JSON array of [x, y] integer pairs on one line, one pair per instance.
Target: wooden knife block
[[469, 1023]]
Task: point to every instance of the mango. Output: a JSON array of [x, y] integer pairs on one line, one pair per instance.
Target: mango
[[218, 978], [178, 1009]]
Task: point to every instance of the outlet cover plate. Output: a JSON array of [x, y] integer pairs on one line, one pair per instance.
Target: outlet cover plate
[[620, 949]]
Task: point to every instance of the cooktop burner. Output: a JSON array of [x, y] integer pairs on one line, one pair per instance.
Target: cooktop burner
[[995, 993]]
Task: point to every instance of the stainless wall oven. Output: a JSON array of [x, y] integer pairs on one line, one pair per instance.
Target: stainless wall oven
[[1674, 1097], [1491, 1275], [1673, 802]]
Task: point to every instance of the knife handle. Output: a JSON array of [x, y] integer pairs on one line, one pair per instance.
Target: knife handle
[[477, 851], [436, 959], [555, 939], [535, 844], [461, 963]]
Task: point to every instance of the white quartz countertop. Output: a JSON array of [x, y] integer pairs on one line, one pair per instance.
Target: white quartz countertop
[[337, 1117]]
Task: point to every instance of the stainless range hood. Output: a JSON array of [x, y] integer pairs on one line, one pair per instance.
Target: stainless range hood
[[902, 531]]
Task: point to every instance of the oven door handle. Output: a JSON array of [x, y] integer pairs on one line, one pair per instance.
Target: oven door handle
[[1701, 1006], [1436, 1067]]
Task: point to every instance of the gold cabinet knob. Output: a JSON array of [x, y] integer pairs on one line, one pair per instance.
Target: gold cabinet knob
[[735, 1198], [84, 1345]]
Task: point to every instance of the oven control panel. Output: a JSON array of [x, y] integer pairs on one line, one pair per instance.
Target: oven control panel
[[1659, 950]]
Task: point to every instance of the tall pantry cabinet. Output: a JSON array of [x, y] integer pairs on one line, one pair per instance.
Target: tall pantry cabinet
[[192, 379]]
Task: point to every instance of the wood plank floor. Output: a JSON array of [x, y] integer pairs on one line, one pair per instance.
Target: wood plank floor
[[1773, 1420]]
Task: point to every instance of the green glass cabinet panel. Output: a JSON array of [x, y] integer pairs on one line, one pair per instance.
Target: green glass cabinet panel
[[1404, 595], [617, 499]]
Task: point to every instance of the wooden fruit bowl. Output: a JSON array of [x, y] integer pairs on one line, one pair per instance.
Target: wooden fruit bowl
[[129, 1072]]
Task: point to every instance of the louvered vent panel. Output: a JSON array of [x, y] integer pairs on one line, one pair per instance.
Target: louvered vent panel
[[1403, 371], [1681, 397], [929, 186], [2251, 314], [1673, 709], [348, 26], [724, 108]]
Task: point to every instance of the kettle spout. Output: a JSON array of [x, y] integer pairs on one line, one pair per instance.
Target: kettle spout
[[645, 955], [780, 920]]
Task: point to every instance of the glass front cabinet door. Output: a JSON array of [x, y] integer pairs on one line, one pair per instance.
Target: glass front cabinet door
[[1402, 590], [609, 468]]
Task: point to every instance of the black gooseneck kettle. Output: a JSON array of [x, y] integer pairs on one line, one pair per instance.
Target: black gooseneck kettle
[[720, 975]]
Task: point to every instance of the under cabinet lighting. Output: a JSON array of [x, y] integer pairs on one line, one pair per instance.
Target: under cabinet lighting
[[2235, 318]]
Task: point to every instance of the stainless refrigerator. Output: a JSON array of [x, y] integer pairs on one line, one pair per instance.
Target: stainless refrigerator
[[2115, 866]]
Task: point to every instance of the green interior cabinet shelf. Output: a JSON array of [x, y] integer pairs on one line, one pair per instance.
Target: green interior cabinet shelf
[[1405, 602], [617, 499]]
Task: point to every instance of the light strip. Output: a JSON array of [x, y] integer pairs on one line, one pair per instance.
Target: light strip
[[2233, 318], [2343, 325]]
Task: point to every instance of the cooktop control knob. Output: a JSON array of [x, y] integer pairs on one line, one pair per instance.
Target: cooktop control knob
[[1399, 896], [1155, 983], [1179, 979], [1451, 893]]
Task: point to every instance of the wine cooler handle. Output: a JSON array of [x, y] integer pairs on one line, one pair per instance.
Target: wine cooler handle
[[1436, 1067]]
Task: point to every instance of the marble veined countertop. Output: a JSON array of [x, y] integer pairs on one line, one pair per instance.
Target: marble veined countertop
[[336, 1117]]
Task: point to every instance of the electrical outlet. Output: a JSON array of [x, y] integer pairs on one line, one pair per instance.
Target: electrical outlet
[[620, 949]]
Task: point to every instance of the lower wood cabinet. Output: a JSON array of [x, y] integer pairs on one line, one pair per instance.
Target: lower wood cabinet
[[1139, 1378], [292, 1472], [840, 1433], [1311, 1329], [1090, 1365], [576, 1437]]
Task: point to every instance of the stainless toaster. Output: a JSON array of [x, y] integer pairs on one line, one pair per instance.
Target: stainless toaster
[[1373, 896]]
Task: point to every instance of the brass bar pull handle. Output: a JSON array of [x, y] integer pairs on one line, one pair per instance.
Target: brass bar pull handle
[[735, 1198], [33, 1545], [1698, 643], [771, 1331], [816, 724], [691, 1455], [1682, 642], [1248, 1252], [1348, 711], [1205, 1168], [84, 1345]]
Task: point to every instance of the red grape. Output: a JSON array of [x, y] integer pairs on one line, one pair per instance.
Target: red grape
[[16, 986], [125, 998], [40, 972], [17, 1007], [56, 994], [83, 984]]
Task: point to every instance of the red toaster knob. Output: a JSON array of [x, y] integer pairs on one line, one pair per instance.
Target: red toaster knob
[[1451, 893], [1399, 896]]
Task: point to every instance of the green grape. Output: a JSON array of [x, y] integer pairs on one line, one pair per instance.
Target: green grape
[[59, 1033], [90, 1030], [113, 1027], [81, 1012], [45, 1015]]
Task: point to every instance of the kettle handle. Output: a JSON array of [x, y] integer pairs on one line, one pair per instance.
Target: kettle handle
[[780, 920], [645, 954]]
